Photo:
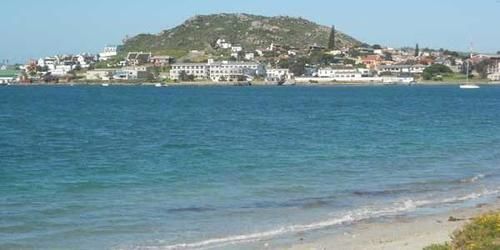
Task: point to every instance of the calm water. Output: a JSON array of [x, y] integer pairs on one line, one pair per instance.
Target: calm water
[[139, 167]]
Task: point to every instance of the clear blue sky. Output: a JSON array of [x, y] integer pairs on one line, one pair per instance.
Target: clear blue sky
[[34, 28]]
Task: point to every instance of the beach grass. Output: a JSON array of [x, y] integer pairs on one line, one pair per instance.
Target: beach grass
[[482, 233]]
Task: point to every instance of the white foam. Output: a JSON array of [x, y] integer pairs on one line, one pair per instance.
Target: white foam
[[350, 217], [474, 178]]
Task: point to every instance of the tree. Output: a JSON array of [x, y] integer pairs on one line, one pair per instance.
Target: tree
[[498, 52], [417, 50], [298, 66], [387, 56], [331, 39], [183, 75], [377, 46], [482, 67], [435, 70]]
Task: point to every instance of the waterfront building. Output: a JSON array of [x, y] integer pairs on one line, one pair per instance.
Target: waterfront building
[[133, 73], [278, 74], [231, 71], [402, 69], [346, 74], [99, 74], [198, 70], [215, 71]]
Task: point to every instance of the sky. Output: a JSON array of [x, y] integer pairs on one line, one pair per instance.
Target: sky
[[35, 28]]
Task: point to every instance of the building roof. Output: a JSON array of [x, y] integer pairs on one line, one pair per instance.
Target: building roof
[[8, 73]]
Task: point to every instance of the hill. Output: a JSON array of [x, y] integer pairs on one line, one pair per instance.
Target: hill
[[250, 31]]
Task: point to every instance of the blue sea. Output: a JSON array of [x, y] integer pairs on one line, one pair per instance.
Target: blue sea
[[221, 167]]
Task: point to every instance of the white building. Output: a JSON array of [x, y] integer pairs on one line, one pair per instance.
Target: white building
[[236, 48], [494, 77], [198, 70], [402, 69], [132, 73], [84, 60], [49, 62], [277, 74], [249, 56], [340, 74], [228, 71], [221, 43], [215, 71], [108, 53], [61, 70], [99, 74]]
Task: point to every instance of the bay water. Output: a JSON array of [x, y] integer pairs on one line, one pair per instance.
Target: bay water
[[208, 167]]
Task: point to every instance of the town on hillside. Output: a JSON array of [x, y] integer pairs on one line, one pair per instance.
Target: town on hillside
[[272, 64]]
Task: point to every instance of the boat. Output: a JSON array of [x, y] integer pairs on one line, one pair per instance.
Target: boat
[[4, 84], [105, 84], [241, 84], [283, 82], [468, 85], [159, 85]]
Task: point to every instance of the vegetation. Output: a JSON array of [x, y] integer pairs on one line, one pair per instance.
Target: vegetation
[[483, 233], [250, 31], [482, 68], [417, 50], [331, 39], [436, 72]]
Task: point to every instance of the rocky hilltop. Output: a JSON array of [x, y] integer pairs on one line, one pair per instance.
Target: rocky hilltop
[[250, 31]]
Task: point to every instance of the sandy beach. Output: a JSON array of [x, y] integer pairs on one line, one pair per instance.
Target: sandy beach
[[399, 233]]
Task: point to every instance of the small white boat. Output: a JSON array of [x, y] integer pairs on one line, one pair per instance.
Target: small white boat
[[105, 84], [469, 86]]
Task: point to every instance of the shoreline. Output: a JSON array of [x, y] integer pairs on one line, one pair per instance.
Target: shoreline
[[404, 233], [233, 84]]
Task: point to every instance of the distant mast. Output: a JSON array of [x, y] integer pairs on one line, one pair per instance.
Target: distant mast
[[331, 40]]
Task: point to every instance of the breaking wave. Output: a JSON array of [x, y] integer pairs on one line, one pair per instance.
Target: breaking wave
[[347, 218]]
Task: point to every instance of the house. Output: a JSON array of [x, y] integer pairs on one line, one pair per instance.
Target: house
[[372, 61], [132, 73], [223, 44], [236, 49], [99, 74], [108, 52], [316, 47], [48, 62], [84, 60], [161, 61], [277, 74], [249, 56], [138, 58], [62, 70], [335, 52]]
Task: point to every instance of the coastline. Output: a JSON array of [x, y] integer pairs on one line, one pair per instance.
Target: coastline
[[231, 84], [405, 233], [254, 83]]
